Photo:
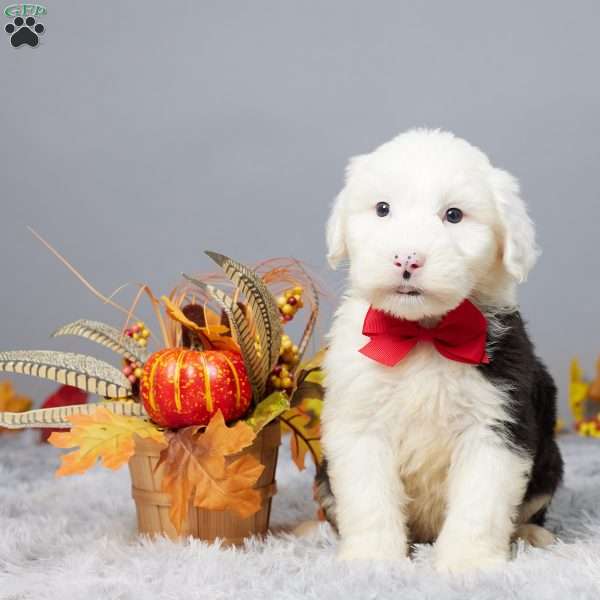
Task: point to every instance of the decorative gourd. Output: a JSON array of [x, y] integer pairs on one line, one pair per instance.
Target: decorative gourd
[[182, 387]]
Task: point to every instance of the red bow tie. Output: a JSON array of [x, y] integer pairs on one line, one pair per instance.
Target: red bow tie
[[460, 335]]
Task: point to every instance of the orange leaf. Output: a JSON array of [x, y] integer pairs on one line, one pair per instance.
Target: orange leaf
[[218, 438], [235, 491], [195, 469], [303, 419], [177, 458], [212, 332], [10, 401], [101, 435], [177, 314], [304, 437]]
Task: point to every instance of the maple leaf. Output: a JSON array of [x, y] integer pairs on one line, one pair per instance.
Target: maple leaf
[[235, 490], [303, 419], [195, 468], [304, 438], [101, 435]]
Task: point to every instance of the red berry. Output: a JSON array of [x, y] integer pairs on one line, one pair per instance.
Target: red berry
[[292, 300]]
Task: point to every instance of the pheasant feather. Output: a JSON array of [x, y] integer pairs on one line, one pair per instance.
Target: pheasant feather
[[84, 372], [262, 305], [58, 416], [105, 335]]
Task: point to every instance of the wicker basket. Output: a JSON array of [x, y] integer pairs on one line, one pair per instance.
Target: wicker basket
[[152, 505]]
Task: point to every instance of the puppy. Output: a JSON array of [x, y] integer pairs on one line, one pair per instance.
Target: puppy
[[438, 420]]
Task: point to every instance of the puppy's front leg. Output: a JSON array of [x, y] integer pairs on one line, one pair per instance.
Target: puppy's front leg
[[369, 497], [486, 484]]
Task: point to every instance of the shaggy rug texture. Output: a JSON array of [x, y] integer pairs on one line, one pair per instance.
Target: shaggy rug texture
[[74, 538]]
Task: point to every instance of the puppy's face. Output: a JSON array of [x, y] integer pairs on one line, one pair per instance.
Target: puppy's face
[[426, 222]]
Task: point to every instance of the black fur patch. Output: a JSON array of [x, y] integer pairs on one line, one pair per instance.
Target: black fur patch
[[532, 406]]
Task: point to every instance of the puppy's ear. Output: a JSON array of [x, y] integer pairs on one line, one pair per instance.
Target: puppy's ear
[[336, 235], [336, 225], [519, 250]]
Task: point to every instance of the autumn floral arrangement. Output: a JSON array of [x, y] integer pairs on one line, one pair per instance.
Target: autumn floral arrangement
[[199, 418], [584, 400]]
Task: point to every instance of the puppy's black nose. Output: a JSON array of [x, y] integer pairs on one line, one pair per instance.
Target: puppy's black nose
[[406, 275]]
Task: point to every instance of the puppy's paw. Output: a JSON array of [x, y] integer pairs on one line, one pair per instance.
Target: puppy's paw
[[306, 528], [372, 548], [534, 535], [465, 557]]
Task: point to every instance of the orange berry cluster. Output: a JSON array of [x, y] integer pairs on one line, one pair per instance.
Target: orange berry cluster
[[140, 333], [282, 378], [290, 302]]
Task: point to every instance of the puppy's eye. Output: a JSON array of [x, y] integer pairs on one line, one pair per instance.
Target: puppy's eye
[[454, 215], [382, 209]]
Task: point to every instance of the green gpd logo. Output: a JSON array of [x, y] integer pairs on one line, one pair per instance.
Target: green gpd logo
[[25, 10]]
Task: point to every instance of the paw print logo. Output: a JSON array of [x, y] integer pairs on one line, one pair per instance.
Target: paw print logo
[[24, 31]]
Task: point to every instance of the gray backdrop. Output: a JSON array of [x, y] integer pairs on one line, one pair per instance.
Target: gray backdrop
[[139, 133]]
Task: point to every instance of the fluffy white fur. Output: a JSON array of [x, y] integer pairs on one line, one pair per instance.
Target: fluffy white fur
[[74, 538], [411, 449]]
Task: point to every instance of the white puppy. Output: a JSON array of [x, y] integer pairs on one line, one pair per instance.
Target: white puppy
[[431, 449]]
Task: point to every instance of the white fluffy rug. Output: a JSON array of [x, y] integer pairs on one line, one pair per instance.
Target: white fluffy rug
[[74, 538]]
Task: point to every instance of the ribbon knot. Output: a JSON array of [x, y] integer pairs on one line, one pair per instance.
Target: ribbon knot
[[425, 334], [461, 336]]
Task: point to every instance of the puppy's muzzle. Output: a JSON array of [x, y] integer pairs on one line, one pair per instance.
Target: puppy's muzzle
[[409, 263]]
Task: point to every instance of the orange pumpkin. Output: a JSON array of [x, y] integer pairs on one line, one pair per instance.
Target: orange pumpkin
[[181, 387]]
